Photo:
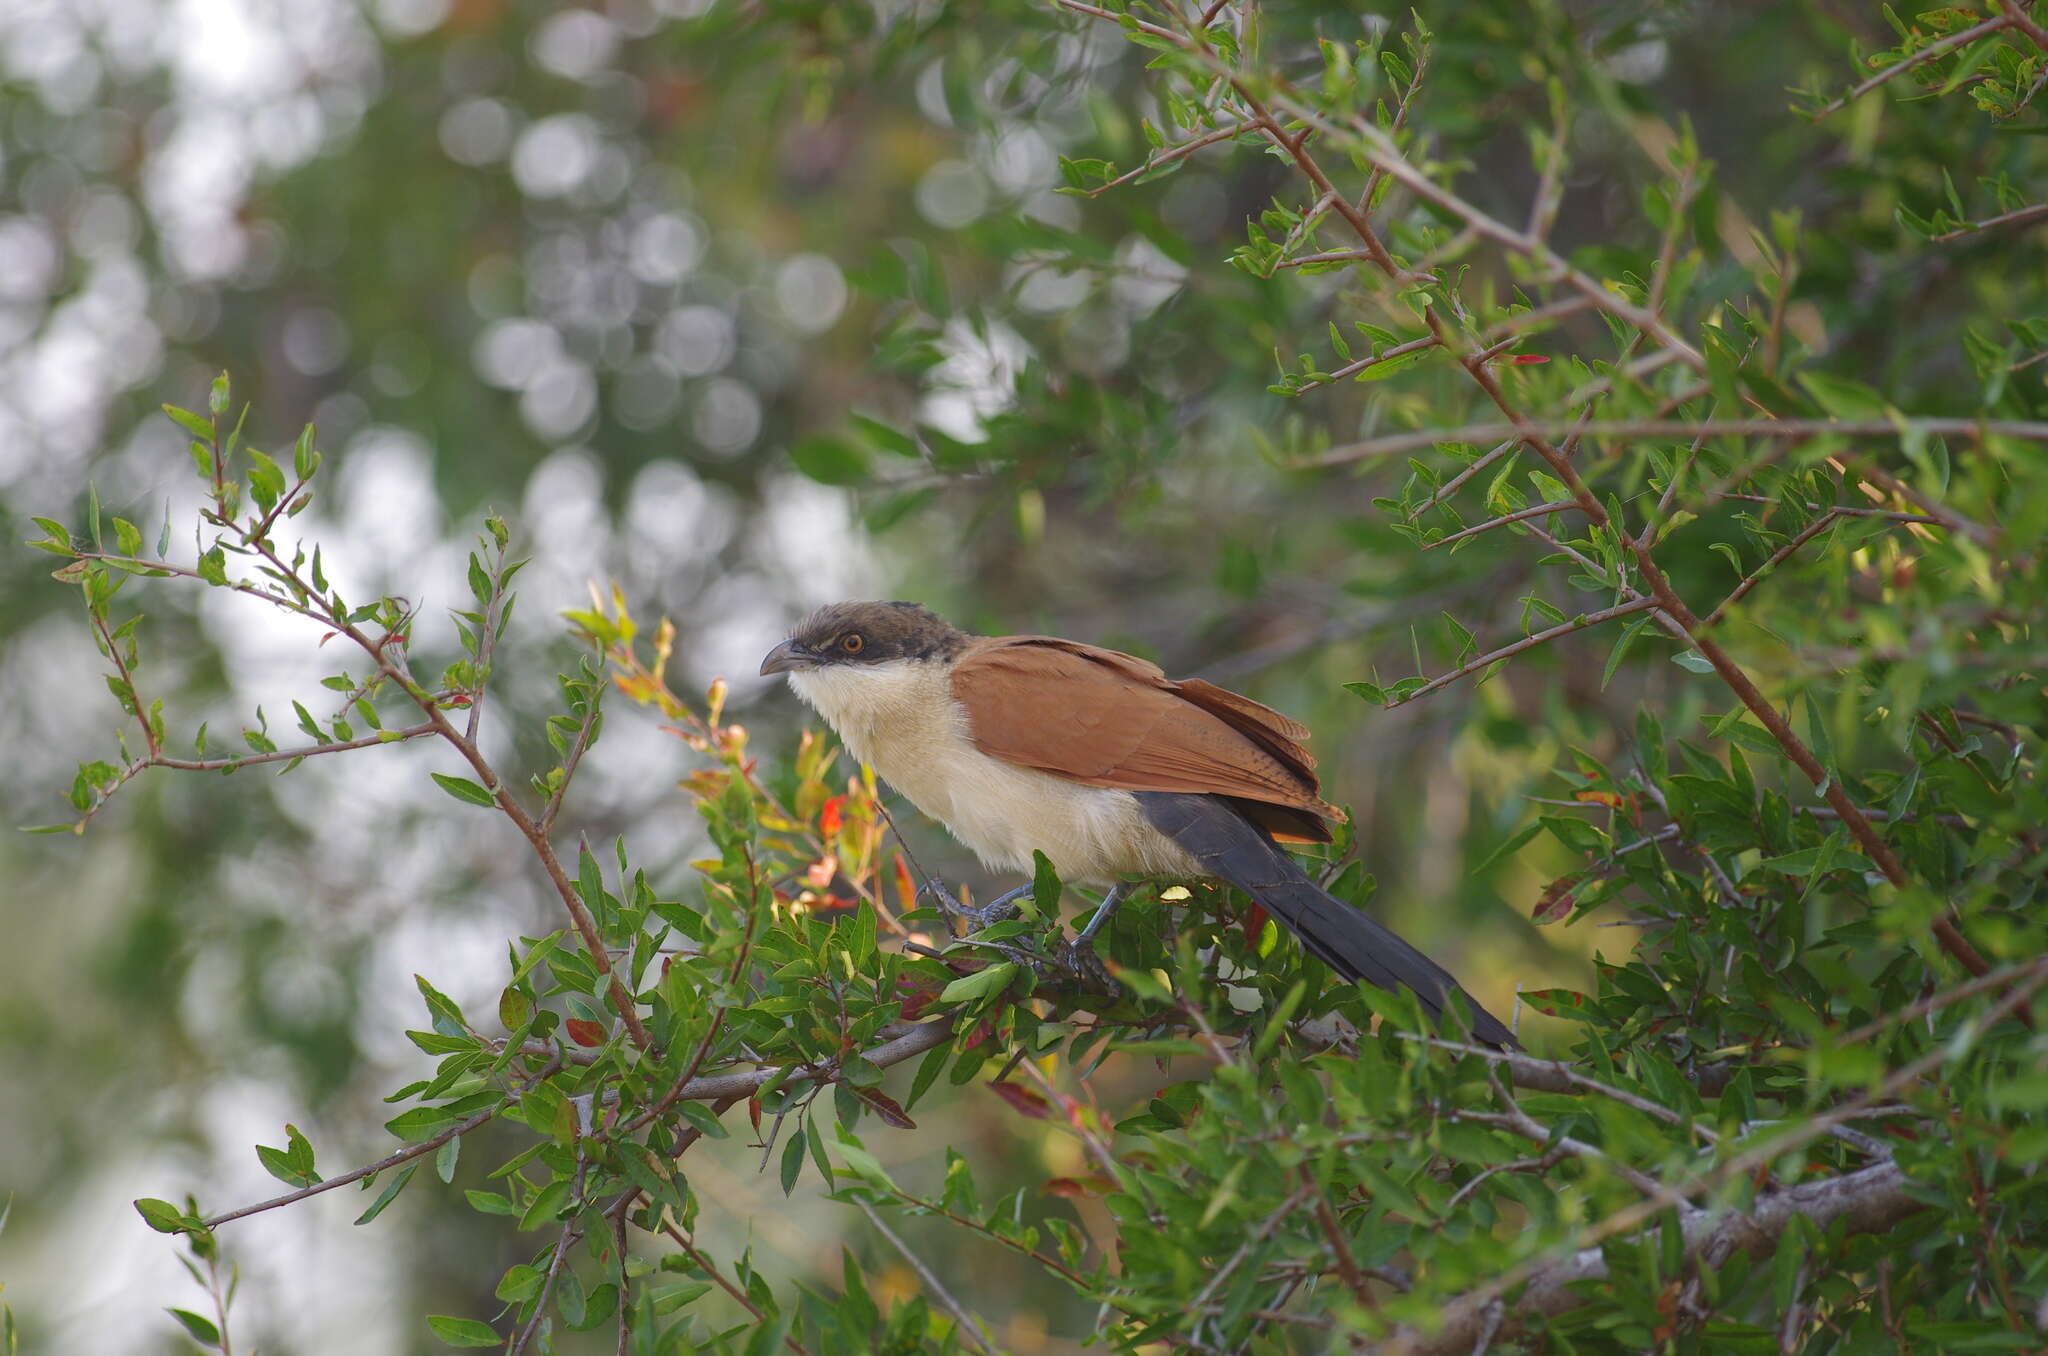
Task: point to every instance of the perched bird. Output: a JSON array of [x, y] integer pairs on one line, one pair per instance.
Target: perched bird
[[1101, 762]]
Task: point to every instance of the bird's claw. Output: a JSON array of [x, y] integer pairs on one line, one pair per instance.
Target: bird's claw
[[1079, 961], [998, 910]]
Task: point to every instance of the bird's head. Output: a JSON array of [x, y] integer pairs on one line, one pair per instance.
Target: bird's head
[[864, 634]]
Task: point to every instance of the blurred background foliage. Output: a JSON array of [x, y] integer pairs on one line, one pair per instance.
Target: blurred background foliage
[[631, 272]]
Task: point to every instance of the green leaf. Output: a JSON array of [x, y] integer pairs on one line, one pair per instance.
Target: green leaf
[[463, 1332], [1843, 399], [1045, 885], [830, 460], [391, 1190], [992, 979], [792, 1163], [1692, 661], [463, 790], [421, 1123], [882, 437], [1620, 650], [161, 1216], [266, 480], [489, 1203], [201, 1330], [195, 424]]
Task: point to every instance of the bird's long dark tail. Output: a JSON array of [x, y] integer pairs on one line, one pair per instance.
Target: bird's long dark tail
[[1233, 849]]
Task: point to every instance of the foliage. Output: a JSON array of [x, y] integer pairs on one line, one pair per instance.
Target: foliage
[[1798, 1116]]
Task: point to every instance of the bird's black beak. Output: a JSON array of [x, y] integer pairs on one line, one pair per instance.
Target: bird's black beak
[[788, 657]]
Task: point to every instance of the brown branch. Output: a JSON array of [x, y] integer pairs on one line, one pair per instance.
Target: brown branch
[[739, 1296], [1578, 623], [2016, 11], [563, 1242], [2018, 217], [1168, 155], [1777, 557], [1427, 341], [1534, 511], [1938, 48], [1798, 429], [906, 1044], [1456, 482], [968, 1326], [1870, 1200], [281, 755], [405, 1155]]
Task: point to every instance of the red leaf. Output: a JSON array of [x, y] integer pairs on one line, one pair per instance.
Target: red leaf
[[917, 996], [1078, 1186], [1556, 901], [1599, 798], [905, 890], [1023, 1100], [832, 816], [1524, 359], [1254, 924], [981, 1033], [885, 1107], [754, 1114], [584, 1031]]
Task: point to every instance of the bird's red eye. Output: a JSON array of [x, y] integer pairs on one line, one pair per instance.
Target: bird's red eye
[[851, 643]]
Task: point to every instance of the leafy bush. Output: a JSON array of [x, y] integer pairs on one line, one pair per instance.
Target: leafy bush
[[1801, 1115]]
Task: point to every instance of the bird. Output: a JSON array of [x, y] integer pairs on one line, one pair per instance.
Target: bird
[[1100, 761]]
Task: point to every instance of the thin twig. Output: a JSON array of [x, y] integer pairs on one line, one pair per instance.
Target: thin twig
[[968, 1324], [1534, 511], [1940, 47], [2018, 217], [1522, 430], [405, 1155], [1777, 557], [1578, 623]]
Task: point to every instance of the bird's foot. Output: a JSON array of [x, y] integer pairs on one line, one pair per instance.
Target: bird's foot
[[1078, 961], [1001, 909]]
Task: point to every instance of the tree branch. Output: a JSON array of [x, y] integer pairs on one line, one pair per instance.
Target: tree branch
[[1869, 1200]]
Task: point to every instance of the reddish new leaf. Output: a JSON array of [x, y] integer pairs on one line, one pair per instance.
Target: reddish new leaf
[[1557, 900], [584, 1031], [1023, 1100], [1078, 1186], [885, 1107]]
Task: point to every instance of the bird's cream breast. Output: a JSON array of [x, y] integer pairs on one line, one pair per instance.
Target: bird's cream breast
[[900, 717]]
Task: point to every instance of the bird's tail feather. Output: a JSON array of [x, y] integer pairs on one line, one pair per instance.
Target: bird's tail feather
[[1233, 849]]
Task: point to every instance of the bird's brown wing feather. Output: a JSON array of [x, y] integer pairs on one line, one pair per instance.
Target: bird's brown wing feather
[[1103, 718]]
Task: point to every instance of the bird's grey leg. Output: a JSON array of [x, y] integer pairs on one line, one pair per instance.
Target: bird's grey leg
[[1116, 895], [1000, 909]]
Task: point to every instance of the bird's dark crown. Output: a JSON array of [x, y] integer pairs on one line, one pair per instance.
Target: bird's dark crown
[[871, 633]]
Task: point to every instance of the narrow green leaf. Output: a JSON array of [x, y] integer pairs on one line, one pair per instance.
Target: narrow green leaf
[[201, 1330], [463, 790], [391, 1190], [463, 1332]]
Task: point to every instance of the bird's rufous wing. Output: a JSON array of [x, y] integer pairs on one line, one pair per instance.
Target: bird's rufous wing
[[1108, 719]]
